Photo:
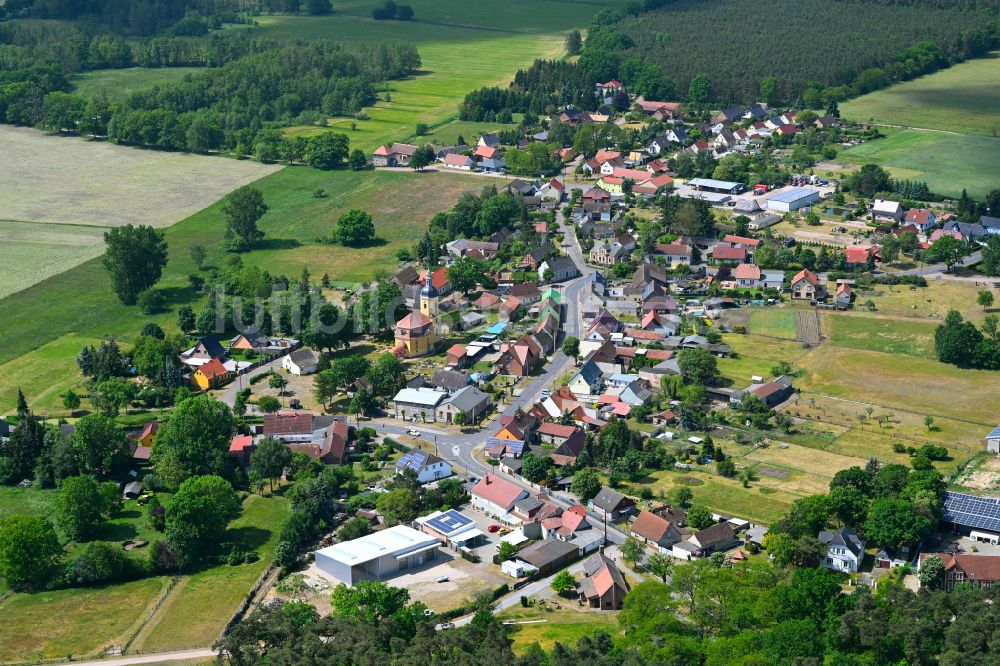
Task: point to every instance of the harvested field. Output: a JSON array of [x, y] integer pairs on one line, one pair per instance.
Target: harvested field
[[33, 251], [807, 327], [106, 185]]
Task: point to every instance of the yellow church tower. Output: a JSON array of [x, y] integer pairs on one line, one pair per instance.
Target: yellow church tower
[[415, 333], [429, 296]]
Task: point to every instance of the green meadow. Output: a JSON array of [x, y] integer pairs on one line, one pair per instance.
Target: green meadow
[[959, 99], [47, 324], [117, 84], [941, 128], [462, 45], [948, 163]]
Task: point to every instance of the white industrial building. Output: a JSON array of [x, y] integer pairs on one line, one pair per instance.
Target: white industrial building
[[377, 556], [793, 198]]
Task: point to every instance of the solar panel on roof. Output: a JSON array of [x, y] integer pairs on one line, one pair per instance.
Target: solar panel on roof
[[449, 522], [412, 460], [972, 511]]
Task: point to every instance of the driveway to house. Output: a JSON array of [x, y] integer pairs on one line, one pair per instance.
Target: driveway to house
[[241, 382]]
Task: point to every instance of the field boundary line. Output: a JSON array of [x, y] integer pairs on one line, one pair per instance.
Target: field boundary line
[[149, 616]]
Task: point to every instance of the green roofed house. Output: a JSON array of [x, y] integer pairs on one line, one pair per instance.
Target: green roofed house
[[552, 293]]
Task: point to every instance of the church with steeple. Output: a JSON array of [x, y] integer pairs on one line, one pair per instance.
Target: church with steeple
[[415, 334]]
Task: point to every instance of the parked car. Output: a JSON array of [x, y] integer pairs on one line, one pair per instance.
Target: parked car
[[493, 529], [414, 433]]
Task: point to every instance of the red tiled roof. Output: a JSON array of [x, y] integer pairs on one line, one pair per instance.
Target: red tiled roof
[[807, 275], [603, 156], [729, 253], [416, 319], [650, 526], [747, 272], [498, 491], [457, 159], [975, 567], [635, 174], [556, 429], [288, 423], [239, 443], [213, 369], [856, 254], [742, 240], [439, 278], [919, 215], [457, 351], [485, 152], [674, 249]]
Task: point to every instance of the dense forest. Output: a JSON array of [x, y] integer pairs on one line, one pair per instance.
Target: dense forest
[[807, 54], [750, 614], [802, 42], [248, 87], [140, 18]]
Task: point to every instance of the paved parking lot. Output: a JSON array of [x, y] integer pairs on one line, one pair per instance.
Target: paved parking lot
[[943, 542]]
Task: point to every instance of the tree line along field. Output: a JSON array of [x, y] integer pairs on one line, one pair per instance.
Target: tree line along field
[[42, 340], [962, 99], [738, 42]]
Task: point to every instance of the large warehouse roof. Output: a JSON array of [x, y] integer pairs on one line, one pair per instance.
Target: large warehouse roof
[[713, 183], [398, 540], [794, 194], [971, 511]]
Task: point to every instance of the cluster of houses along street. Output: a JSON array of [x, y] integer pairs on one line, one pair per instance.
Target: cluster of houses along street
[[468, 356]]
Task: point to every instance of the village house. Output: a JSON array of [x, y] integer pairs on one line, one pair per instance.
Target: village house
[[426, 466], [300, 362], [212, 374], [845, 550], [469, 401], [923, 219], [805, 286], [608, 253], [603, 585], [856, 257], [726, 255], [844, 294], [458, 161], [395, 155], [674, 253], [717, 538], [884, 210], [970, 568], [417, 404], [655, 531], [747, 275], [328, 445], [563, 268], [611, 505], [495, 497]]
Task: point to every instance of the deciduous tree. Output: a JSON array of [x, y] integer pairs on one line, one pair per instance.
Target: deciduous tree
[[243, 209], [134, 258], [29, 549]]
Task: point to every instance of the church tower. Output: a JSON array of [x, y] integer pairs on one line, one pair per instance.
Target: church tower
[[429, 295]]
